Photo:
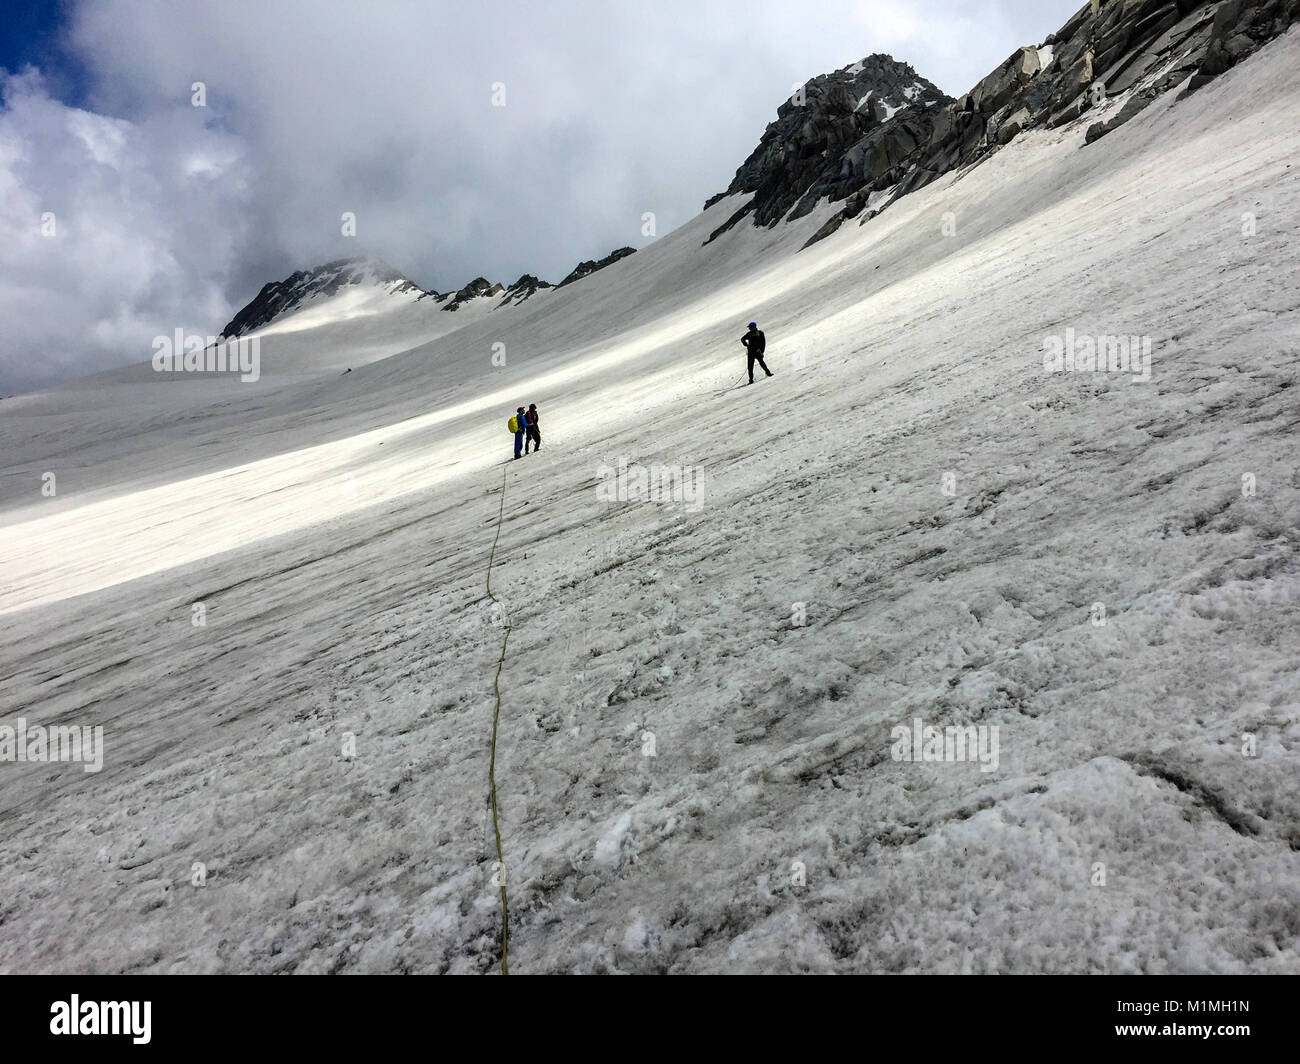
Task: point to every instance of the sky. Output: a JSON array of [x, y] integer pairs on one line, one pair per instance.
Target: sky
[[160, 162]]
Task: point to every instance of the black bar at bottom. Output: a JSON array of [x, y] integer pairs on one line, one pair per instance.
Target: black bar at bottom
[[336, 1015]]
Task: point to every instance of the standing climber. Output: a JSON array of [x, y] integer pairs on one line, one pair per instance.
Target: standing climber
[[519, 426], [534, 429], [755, 343]]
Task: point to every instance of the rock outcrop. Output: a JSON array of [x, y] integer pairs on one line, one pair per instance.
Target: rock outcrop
[[476, 289], [586, 269], [524, 288], [837, 133]]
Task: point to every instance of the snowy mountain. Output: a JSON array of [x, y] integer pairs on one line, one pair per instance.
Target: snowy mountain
[[368, 282], [736, 614], [306, 287]]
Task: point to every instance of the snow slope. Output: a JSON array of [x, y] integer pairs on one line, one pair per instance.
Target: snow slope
[[336, 529]]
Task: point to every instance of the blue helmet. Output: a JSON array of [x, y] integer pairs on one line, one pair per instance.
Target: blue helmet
[[753, 325]]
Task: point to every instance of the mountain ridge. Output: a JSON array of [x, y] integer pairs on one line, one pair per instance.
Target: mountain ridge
[[1108, 48]]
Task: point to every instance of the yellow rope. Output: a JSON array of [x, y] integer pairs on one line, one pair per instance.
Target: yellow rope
[[496, 716]]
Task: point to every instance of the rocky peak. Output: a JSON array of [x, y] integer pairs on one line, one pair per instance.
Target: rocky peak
[[823, 135], [476, 289]]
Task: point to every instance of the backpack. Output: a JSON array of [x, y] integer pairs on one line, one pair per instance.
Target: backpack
[[513, 423]]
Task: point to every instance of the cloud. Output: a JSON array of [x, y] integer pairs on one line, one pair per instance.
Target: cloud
[[111, 232], [175, 214]]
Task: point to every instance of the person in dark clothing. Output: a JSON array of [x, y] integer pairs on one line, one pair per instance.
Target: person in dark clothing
[[522, 424], [755, 343], [534, 429]]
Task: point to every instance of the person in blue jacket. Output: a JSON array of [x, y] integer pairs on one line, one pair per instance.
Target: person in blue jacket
[[519, 433]]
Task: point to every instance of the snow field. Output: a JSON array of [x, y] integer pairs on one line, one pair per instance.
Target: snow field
[[332, 612]]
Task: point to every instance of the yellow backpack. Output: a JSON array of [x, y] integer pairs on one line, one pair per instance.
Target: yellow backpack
[[513, 423]]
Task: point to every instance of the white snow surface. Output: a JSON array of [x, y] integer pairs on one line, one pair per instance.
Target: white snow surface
[[336, 528]]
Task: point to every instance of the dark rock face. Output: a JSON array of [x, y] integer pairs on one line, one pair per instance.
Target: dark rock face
[[1004, 84], [831, 150], [480, 286], [586, 269], [523, 289], [837, 134], [280, 297], [1241, 27]]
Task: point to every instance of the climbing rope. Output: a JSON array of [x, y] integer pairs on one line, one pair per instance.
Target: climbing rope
[[496, 716]]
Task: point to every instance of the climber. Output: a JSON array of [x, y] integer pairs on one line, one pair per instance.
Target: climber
[[755, 343], [519, 426], [534, 429]]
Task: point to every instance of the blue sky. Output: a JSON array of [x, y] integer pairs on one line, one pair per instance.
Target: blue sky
[[30, 34]]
